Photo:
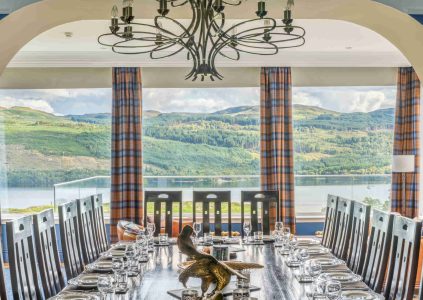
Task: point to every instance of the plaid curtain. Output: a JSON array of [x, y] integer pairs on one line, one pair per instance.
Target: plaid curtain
[[407, 141], [127, 192], [277, 155]]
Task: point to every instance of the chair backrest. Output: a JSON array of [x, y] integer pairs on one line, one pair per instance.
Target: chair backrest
[[86, 230], [100, 232], [359, 235], [47, 254], [343, 224], [23, 265], [329, 230], [217, 198], [3, 293], [379, 245], [405, 246], [266, 198], [168, 198], [69, 236]]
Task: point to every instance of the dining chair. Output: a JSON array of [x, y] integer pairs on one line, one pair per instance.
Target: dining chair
[[23, 265], [216, 198], [329, 229], [359, 235], [167, 199], [47, 254], [3, 292], [86, 230], [405, 245], [266, 199], [343, 223], [70, 239], [379, 245], [100, 231]]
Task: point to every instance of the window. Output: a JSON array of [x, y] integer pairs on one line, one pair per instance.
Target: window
[[343, 139]]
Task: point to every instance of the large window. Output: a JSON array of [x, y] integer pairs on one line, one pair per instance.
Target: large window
[[343, 144]]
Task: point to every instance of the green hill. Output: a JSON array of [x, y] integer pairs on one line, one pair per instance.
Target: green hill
[[43, 149]]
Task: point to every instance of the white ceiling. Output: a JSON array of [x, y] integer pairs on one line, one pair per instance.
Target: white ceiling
[[329, 43]]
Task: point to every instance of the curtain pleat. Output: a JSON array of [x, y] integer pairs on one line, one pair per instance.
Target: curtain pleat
[[407, 142], [277, 155], [126, 169]]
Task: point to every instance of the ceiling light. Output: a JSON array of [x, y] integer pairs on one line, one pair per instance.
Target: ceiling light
[[207, 36]]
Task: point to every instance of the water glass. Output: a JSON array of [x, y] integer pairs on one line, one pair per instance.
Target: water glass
[[122, 281], [163, 239], [333, 289], [189, 294], [313, 268], [244, 283], [278, 226], [104, 285], [247, 229], [241, 294], [258, 236], [302, 255], [208, 239], [117, 265]]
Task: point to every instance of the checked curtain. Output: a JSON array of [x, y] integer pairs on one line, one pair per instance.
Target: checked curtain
[[277, 155], [407, 141], [126, 189]]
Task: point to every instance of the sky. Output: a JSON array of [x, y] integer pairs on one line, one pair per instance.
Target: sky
[[83, 101]]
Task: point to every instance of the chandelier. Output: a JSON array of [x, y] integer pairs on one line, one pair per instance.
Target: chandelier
[[203, 38]]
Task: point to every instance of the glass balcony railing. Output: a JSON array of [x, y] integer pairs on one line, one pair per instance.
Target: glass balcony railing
[[310, 191]]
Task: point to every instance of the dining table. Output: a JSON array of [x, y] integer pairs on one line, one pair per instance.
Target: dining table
[[276, 280]]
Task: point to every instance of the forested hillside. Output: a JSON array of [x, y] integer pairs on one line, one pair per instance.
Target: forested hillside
[[43, 149]]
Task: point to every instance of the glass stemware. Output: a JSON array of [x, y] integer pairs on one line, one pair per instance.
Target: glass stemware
[[247, 230], [104, 285], [151, 228], [117, 265], [333, 289], [302, 255], [197, 229]]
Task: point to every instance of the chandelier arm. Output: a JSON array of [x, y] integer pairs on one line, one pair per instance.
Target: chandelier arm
[[172, 3]]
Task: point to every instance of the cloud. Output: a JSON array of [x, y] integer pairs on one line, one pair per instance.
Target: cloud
[[34, 104]]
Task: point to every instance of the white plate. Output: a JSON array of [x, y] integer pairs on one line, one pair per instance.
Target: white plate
[[85, 281], [329, 262], [307, 242], [362, 295], [76, 296], [114, 253], [316, 250], [101, 265], [343, 277]]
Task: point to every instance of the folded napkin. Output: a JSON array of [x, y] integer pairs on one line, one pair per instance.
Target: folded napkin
[[339, 268], [354, 286]]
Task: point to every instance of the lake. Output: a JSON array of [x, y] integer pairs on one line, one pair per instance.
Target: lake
[[310, 199]]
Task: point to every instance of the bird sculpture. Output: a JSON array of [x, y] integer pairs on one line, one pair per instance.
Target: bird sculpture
[[207, 267]]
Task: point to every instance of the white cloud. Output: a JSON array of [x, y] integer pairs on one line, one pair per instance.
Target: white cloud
[[34, 104]]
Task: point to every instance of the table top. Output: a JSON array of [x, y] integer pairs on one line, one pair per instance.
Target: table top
[[276, 280]]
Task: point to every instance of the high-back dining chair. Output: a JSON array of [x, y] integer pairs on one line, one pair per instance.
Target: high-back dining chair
[[359, 235], [100, 232], [23, 265], [343, 224], [379, 246], [217, 198], [266, 198], [405, 245], [70, 239], [329, 229], [168, 199], [47, 255], [3, 292], [86, 230]]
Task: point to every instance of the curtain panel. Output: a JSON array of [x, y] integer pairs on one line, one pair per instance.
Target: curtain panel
[[407, 142], [277, 155], [126, 169]]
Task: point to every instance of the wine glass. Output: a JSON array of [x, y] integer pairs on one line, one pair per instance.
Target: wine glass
[[313, 268], [197, 230], [302, 255], [117, 265], [104, 285], [151, 228], [247, 229], [279, 226]]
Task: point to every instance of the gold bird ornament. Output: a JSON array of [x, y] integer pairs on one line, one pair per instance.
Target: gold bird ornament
[[207, 267]]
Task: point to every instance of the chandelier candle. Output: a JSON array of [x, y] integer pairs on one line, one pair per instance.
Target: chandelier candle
[[208, 36]]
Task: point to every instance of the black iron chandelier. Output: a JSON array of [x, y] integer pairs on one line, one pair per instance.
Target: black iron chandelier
[[205, 37]]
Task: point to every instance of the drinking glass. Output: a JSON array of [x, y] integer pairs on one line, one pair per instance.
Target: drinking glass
[[313, 268], [104, 285], [140, 243], [241, 294], [122, 281], [333, 289], [163, 238], [131, 260], [197, 229], [247, 229], [258, 236], [151, 228], [244, 283], [302, 255], [208, 239], [189, 294], [278, 226], [117, 265]]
